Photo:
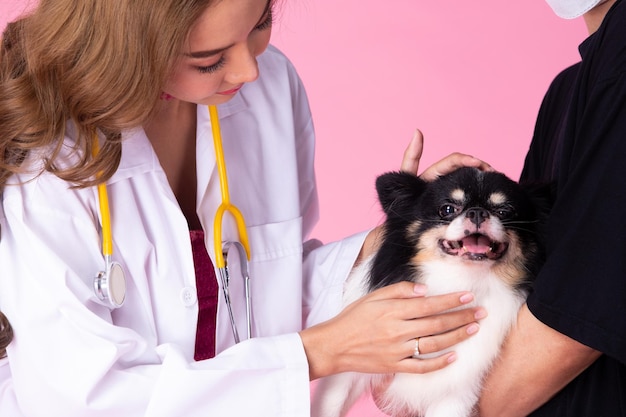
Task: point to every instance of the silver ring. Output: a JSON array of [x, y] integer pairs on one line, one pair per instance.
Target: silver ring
[[416, 351]]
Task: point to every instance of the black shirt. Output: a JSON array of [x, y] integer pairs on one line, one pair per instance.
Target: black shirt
[[580, 143]]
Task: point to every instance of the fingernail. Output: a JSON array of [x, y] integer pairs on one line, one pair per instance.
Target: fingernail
[[480, 314], [419, 289], [466, 298], [452, 357], [473, 328]]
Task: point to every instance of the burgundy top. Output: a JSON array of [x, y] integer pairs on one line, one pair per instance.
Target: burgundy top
[[206, 283]]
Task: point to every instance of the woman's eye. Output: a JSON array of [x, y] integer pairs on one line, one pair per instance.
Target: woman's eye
[[448, 210], [267, 23], [212, 68]]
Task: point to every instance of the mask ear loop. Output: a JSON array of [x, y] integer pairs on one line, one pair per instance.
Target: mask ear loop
[[110, 284]]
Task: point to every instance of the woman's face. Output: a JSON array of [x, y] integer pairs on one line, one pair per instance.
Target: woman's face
[[220, 55]]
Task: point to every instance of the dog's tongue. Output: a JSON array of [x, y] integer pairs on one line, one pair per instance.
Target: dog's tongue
[[477, 244]]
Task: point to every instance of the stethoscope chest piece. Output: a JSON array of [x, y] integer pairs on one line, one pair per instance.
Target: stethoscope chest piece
[[110, 285]]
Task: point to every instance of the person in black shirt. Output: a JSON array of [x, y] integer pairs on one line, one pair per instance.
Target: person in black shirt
[[567, 355]]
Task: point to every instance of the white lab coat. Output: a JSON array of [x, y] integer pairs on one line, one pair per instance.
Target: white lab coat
[[74, 357]]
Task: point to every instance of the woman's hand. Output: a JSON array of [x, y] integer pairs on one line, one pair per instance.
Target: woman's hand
[[413, 153], [376, 334]]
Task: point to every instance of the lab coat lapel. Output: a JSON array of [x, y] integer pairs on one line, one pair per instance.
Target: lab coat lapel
[[138, 158]]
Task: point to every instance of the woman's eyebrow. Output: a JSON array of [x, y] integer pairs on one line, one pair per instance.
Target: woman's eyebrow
[[206, 54], [212, 52]]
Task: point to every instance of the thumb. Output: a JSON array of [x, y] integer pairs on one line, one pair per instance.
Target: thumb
[[413, 153]]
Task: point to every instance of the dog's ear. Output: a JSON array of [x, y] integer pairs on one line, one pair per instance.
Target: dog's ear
[[398, 188]]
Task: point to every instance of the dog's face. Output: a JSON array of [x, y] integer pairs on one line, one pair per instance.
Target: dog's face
[[482, 219], [472, 215]]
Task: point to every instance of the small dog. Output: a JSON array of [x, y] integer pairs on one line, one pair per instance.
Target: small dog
[[466, 231]]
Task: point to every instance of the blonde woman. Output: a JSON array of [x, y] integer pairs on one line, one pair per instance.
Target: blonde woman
[[134, 79]]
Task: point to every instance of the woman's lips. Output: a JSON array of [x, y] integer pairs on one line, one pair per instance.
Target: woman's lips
[[231, 91]]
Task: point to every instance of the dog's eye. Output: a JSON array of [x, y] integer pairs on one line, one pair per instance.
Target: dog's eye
[[448, 210], [505, 213]]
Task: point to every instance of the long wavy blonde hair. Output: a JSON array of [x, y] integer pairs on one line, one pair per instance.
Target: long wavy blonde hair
[[97, 63], [100, 64]]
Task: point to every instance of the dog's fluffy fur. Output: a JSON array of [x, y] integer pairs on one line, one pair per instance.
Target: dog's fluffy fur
[[467, 231]]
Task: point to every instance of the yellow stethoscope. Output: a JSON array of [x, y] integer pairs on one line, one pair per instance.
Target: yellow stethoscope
[[110, 284], [242, 247]]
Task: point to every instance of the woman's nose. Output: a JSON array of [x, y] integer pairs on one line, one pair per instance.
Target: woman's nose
[[244, 67]]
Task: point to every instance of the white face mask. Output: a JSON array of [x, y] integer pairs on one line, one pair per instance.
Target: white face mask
[[570, 9]]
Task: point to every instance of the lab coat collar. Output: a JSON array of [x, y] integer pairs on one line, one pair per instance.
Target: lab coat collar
[[234, 105], [138, 156]]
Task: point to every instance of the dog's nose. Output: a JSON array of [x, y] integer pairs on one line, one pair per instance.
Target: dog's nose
[[477, 215]]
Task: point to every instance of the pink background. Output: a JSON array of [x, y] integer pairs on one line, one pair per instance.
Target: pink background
[[470, 75]]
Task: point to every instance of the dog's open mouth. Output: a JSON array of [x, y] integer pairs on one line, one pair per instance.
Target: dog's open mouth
[[476, 247]]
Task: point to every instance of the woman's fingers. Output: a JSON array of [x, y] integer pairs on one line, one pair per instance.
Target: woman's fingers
[[415, 304], [439, 321], [439, 342], [422, 366], [376, 334], [428, 346], [431, 306], [451, 163], [434, 323]]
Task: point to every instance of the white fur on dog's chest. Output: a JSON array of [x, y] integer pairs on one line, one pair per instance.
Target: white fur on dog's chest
[[443, 277], [452, 391]]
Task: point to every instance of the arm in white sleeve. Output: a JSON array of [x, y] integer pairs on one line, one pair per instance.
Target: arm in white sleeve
[[326, 269]]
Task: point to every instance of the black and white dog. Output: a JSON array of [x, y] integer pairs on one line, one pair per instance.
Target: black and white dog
[[466, 231]]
